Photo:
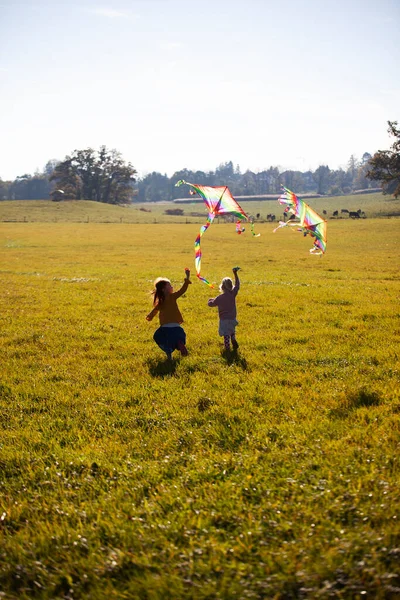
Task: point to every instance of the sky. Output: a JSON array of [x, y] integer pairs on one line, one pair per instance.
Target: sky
[[175, 84]]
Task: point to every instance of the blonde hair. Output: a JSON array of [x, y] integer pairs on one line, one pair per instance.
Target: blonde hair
[[158, 291], [226, 284]]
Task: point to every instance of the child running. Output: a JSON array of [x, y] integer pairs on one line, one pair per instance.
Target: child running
[[170, 335], [226, 303]]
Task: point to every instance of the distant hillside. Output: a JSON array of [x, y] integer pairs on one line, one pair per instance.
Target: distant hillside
[[85, 211]]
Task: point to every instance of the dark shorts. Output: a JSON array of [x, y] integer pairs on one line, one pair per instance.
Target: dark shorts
[[168, 338]]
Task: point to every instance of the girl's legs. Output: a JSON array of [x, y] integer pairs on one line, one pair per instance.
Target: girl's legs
[[182, 348], [235, 345], [180, 337], [170, 339], [163, 342], [227, 331]]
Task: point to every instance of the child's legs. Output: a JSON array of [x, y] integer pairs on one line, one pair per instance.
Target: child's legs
[[227, 331], [235, 345], [170, 338], [162, 340], [178, 337]]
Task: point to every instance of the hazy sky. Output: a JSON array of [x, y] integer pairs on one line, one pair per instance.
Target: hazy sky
[[195, 83]]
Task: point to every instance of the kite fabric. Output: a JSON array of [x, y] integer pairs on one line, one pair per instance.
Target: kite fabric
[[197, 250], [219, 201], [310, 223]]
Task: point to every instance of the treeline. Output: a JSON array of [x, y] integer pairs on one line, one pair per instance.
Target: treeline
[[104, 176], [29, 187], [156, 187]]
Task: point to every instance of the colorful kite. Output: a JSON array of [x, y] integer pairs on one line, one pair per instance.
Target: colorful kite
[[219, 201], [310, 223]]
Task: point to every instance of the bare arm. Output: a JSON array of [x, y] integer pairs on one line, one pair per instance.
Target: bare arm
[[152, 314], [237, 281], [185, 285]]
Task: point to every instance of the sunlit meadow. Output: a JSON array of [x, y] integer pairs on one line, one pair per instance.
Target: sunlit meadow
[[269, 473]]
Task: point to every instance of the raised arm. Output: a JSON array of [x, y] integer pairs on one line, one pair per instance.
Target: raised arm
[[185, 285], [237, 281]]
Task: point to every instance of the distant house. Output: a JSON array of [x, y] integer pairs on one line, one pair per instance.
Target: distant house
[[367, 191]]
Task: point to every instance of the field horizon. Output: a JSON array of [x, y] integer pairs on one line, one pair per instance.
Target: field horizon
[[371, 205]]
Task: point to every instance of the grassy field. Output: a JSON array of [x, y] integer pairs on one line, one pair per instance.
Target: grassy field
[[82, 211], [272, 473]]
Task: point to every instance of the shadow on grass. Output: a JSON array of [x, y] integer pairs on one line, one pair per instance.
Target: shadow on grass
[[356, 399], [232, 357], [161, 367]]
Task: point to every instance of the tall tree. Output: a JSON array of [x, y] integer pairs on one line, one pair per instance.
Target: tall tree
[[340, 182], [249, 183], [225, 170], [100, 175], [366, 157], [50, 166], [352, 167], [321, 177], [66, 179], [272, 181], [154, 187], [384, 166], [292, 180]]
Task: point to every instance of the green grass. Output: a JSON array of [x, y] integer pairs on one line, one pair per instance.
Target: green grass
[[272, 473]]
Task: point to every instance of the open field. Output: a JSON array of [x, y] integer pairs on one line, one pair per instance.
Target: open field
[[46, 211], [270, 473]]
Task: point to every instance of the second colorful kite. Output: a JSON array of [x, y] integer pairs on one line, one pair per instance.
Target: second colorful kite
[[309, 222]]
